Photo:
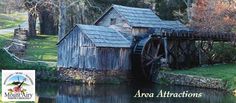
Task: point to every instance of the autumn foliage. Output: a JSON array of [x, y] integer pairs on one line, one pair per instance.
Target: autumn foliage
[[214, 15]]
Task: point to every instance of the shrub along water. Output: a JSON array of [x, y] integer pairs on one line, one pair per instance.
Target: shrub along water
[[223, 52]]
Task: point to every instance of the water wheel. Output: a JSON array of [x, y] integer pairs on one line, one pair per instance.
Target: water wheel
[[147, 55]]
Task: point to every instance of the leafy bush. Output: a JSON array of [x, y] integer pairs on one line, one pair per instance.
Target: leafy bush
[[224, 52]]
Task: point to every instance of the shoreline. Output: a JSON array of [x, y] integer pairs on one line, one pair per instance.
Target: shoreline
[[168, 78]]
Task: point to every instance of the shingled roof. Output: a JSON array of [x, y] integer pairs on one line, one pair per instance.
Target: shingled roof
[[175, 25], [136, 17], [103, 36]]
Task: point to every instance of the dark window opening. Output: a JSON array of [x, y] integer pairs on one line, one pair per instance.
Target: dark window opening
[[113, 21]]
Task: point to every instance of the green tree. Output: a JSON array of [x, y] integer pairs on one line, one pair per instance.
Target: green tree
[[171, 9]]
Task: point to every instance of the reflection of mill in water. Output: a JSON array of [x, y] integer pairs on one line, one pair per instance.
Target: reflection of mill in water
[[71, 93]]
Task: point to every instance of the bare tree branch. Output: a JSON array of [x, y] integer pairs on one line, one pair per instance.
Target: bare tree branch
[[51, 3], [94, 6], [73, 3], [185, 2], [89, 3]]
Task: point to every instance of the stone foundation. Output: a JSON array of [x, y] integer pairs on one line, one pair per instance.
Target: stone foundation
[[93, 76], [189, 80], [119, 76]]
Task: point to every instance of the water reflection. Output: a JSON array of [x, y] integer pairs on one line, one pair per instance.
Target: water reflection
[[70, 93]]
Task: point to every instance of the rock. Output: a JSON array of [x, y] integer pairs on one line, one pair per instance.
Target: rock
[[92, 76], [189, 80]]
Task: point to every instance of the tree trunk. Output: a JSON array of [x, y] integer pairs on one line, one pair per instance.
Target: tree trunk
[[188, 10], [62, 20], [47, 23], [32, 23]]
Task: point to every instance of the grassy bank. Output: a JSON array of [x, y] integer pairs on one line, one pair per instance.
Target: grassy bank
[[42, 47], [226, 72], [11, 20], [7, 62], [4, 39]]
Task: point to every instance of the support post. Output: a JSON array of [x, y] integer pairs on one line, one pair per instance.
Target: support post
[[199, 53], [166, 49]]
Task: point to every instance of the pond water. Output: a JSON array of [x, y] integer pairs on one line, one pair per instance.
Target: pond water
[[124, 93]]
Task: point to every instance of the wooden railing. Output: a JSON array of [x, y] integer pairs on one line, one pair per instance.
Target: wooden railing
[[216, 36], [19, 60]]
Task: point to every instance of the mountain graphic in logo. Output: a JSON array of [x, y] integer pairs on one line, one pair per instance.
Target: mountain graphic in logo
[[18, 81]]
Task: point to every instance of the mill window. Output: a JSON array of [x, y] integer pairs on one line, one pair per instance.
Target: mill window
[[113, 21]]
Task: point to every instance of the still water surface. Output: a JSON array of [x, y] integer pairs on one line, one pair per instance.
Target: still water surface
[[124, 93]]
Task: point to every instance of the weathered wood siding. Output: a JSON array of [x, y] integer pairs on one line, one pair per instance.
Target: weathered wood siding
[[113, 59], [106, 21], [121, 24], [87, 53], [68, 50], [78, 51]]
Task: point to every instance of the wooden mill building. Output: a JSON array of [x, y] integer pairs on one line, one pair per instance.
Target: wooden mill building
[[107, 45]]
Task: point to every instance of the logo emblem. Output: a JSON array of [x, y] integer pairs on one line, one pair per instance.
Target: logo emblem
[[18, 85]]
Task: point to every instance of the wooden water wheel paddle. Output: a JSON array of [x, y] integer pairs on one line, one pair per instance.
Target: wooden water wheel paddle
[[150, 51]]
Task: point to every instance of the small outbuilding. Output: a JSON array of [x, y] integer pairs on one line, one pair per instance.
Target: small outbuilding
[[90, 47]]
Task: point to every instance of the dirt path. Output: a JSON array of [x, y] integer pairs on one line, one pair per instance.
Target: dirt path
[[10, 30]]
